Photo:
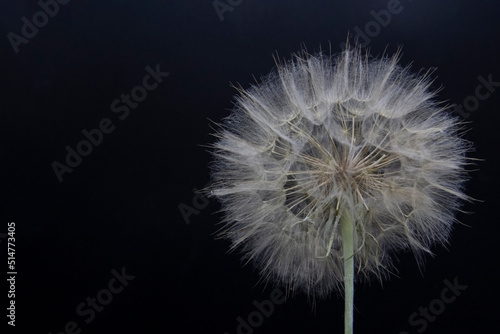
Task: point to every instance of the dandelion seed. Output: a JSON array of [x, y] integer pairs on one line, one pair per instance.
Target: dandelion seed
[[330, 165]]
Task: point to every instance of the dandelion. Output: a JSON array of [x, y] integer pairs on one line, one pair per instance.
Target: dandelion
[[331, 164]]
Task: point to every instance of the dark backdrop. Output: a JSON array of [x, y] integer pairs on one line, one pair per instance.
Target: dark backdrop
[[128, 209]]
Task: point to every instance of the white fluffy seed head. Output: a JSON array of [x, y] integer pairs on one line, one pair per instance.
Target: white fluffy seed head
[[326, 135]]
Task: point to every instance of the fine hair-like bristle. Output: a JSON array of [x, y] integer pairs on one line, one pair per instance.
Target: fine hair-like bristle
[[324, 135]]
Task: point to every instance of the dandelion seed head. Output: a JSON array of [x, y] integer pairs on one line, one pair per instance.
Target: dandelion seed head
[[325, 135]]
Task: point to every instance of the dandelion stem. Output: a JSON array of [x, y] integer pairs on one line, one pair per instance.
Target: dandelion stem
[[347, 226]]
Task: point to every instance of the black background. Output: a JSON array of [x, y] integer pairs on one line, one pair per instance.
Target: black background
[[120, 206]]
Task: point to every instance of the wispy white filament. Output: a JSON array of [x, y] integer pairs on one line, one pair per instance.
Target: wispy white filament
[[324, 137]]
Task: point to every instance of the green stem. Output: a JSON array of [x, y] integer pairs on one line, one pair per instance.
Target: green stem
[[347, 226]]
